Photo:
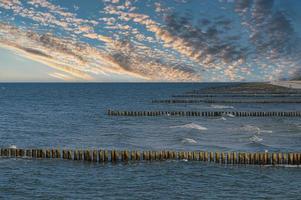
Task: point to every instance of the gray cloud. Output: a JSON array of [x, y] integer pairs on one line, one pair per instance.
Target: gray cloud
[[35, 52], [209, 45]]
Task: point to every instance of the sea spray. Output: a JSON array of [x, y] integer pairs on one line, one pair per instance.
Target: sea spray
[[221, 106], [188, 141], [191, 126]]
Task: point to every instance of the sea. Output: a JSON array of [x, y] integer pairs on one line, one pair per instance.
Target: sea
[[74, 116]]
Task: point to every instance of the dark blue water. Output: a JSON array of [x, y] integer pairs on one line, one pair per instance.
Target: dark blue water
[[74, 116]]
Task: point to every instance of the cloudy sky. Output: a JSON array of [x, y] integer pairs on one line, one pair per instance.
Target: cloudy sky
[[148, 40]]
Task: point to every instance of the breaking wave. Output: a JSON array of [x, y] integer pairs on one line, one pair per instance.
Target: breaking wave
[[188, 141], [191, 126], [221, 106], [254, 129], [12, 146], [255, 139]]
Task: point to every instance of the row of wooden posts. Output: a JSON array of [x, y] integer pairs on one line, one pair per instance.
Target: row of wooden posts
[[257, 92], [206, 113], [234, 95], [198, 101], [257, 158]]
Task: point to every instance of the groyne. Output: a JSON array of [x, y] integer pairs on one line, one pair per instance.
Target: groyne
[[206, 113], [103, 156], [199, 101]]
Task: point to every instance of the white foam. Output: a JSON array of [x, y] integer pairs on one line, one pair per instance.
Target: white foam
[[266, 131], [223, 118], [12, 146], [189, 141], [191, 126], [255, 139], [230, 115], [221, 106], [250, 128], [255, 129]]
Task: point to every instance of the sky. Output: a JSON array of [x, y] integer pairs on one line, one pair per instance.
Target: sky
[[149, 40]]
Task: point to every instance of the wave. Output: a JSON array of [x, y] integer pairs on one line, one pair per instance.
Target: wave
[[223, 118], [12, 146], [266, 131], [191, 126], [221, 106], [255, 139], [254, 129], [189, 141]]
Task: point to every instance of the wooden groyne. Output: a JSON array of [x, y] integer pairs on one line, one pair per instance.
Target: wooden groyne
[[103, 156], [234, 95], [206, 113], [198, 101]]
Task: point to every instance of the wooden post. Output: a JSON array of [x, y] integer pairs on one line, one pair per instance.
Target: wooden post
[[190, 155], [64, 154], [101, 157], [133, 155], [28, 153], [217, 157], [80, 155], [206, 156], [228, 160], [201, 156], [48, 155], [106, 156], [87, 155], [58, 153], [113, 156], [290, 159], [211, 157], [279, 158], [12, 152], [234, 156], [138, 157], [75, 155], [95, 155], [195, 156], [33, 153], [274, 158]]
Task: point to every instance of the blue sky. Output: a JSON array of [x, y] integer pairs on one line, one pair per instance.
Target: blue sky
[[146, 40]]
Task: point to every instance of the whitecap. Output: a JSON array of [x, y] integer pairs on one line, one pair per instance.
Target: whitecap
[[188, 141], [266, 131], [223, 118], [191, 126], [12, 146], [250, 128], [255, 139], [230, 115], [221, 106], [255, 129]]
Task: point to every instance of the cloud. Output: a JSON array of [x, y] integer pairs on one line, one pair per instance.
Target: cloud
[[81, 60], [61, 76]]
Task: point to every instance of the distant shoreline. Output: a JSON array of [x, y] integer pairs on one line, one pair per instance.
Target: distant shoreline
[[288, 84]]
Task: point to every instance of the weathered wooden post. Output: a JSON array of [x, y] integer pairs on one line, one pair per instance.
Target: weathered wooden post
[[211, 157], [101, 156], [80, 154], [87, 155], [217, 157], [274, 158], [133, 155], [75, 155], [95, 156], [33, 153], [28, 153], [234, 157], [12, 152], [64, 154], [48, 153], [106, 156]]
